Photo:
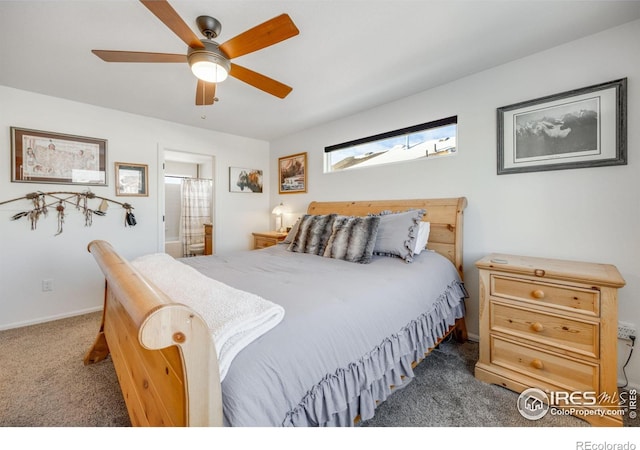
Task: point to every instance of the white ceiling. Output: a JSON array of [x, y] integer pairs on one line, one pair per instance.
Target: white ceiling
[[349, 55]]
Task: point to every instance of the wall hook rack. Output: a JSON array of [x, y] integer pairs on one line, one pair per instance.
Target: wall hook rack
[[60, 200]]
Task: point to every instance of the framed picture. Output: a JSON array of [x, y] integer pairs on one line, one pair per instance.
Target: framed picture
[[292, 174], [131, 180], [45, 157], [245, 180], [585, 127]]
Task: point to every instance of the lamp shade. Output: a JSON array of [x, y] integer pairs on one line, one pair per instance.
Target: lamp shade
[[279, 210]]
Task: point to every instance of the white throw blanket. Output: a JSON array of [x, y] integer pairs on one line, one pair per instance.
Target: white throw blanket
[[235, 317]]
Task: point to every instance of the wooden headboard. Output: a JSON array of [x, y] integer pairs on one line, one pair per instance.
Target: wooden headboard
[[444, 215]]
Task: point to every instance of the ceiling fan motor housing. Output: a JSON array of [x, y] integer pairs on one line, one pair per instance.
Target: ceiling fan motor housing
[[209, 26]]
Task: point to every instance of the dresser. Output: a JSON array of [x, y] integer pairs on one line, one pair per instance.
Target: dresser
[[267, 239], [552, 324]]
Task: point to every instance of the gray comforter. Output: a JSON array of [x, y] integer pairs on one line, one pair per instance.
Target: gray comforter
[[349, 332]]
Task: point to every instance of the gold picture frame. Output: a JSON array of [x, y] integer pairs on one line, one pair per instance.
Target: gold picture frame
[[292, 174]]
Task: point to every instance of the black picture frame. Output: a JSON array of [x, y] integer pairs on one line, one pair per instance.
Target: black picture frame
[[132, 180], [584, 127]]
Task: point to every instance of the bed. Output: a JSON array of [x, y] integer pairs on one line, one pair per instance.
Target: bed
[[347, 334]]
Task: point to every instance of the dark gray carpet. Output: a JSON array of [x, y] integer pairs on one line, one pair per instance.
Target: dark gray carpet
[[445, 393], [43, 383]]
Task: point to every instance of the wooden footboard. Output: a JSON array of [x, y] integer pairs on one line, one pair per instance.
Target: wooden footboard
[[162, 351]]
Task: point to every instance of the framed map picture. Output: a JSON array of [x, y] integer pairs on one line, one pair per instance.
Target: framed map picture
[[45, 157]]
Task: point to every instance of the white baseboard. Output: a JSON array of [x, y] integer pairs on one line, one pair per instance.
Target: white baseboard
[[49, 318], [473, 337]]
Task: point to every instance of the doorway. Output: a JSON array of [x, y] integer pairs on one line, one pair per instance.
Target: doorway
[[182, 227]]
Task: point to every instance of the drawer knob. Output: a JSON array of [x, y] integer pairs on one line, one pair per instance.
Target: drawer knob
[[538, 293], [537, 326], [536, 363]]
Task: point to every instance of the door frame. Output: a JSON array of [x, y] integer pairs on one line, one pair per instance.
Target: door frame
[[182, 156]]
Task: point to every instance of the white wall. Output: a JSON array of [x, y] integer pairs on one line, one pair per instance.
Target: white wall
[[583, 214], [27, 257]]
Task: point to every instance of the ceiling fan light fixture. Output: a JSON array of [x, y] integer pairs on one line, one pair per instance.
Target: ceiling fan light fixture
[[209, 71], [209, 64]]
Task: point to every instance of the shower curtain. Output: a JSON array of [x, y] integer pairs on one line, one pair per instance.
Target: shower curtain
[[195, 211]]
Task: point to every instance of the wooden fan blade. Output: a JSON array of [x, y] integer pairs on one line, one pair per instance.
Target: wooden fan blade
[[167, 15], [205, 93], [264, 83], [268, 33], [140, 57]]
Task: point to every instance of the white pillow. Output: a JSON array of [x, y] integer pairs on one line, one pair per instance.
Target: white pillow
[[423, 237]]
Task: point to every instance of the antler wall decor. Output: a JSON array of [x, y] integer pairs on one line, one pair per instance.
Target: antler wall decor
[[42, 201]]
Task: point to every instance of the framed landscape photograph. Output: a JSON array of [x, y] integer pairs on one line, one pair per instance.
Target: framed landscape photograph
[[45, 157], [292, 174], [584, 127], [131, 180], [245, 180]]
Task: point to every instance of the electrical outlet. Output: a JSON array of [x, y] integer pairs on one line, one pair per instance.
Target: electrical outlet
[[626, 329], [47, 285]]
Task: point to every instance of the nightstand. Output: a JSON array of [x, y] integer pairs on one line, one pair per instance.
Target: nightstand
[[267, 239], [552, 325]]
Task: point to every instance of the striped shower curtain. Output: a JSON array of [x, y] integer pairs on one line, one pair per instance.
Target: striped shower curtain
[[195, 211]]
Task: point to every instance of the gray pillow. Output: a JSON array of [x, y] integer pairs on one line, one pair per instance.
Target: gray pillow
[[397, 233], [313, 233], [352, 239]]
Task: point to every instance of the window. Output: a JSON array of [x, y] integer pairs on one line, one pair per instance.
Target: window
[[427, 140]]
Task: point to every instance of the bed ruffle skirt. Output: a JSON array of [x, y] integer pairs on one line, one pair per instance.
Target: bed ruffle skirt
[[355, 391]]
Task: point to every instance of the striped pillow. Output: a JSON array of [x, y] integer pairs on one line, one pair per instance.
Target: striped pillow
[[352, 239], [313, 234]]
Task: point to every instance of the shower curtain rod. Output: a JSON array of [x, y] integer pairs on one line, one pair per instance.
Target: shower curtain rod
[[188, 178]]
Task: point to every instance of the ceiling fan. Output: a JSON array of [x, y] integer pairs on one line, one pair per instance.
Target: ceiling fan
[[210, 61]]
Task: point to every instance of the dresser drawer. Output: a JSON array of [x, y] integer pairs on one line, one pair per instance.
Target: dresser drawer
[[584, 301], [549, 368], [551, 329]]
